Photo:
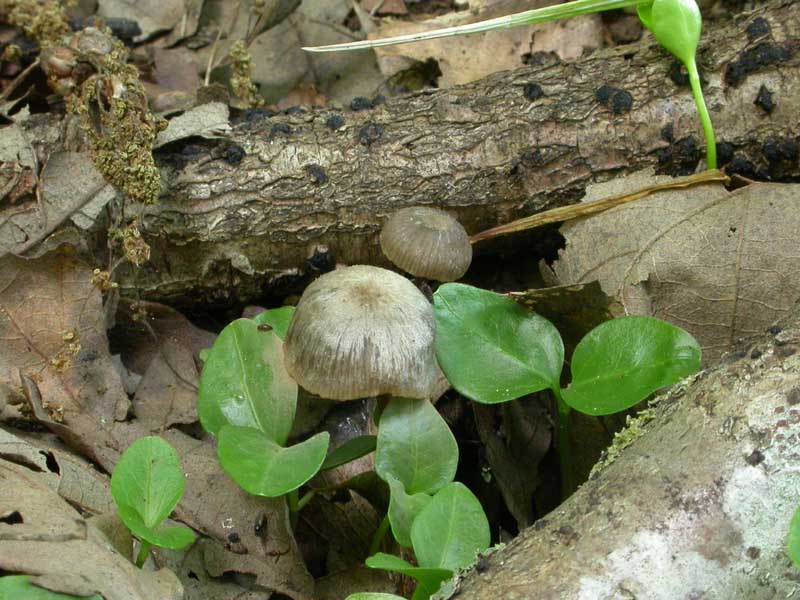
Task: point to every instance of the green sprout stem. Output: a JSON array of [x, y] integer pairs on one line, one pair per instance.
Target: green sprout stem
[[380, 533], [144, 551], [528, 17], [563, 446], [307, 497], [705, 119]]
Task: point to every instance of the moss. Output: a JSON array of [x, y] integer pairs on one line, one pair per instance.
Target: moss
[[45, 22], [634, 428]]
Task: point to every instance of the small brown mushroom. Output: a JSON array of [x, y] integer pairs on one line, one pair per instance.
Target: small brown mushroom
[[427, 242], [363, 331]]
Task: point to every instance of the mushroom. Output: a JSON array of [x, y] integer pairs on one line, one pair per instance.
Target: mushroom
[[428, 243], [363, 331]]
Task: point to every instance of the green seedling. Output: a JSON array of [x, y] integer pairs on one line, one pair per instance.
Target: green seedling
[[19, 587], [248, 401], [446, 536], [493, 350], [793, 541], [147, 484], [676, 25]]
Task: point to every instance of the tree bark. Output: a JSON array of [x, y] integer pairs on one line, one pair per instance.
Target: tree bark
[[285, 196], [698, 506]]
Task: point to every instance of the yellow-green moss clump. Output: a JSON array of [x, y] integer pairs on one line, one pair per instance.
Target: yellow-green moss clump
[[241, 77], [45, 22]]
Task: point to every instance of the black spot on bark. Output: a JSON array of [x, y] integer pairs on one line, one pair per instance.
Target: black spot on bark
[[539, 58], [619, 101], [279, 129], [481, 565], [12, 518], [321, 260], [756, 457], [775, 330], [680, 158], [317, 174], [334, 122], [754, 59], [739, 165], [757, 29], [234, 538], [764, 100], [756, 353], [234, 154], [779, 151], [668, 133], [370, 133], [793, 397], [724, 153], [678, 74], [360, 103], [753, 553], [533, 91]]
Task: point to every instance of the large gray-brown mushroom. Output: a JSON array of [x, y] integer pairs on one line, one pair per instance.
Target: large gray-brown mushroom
[[427, 242], [363, 331]]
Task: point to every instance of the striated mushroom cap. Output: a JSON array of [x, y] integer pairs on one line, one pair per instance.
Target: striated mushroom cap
[[363, 331], [427, 242]]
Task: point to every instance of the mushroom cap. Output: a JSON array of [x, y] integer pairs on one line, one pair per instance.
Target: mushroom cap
[[427, 242], [363, 331]]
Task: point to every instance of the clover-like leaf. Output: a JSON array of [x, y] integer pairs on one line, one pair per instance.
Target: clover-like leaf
[[415, 446], [244, 383], [147, 484], [621, 362], [403, 509], [492, 349], [450, 530], [277, 318], [19, 587], [349, 451], [428, 579], [264, 468]]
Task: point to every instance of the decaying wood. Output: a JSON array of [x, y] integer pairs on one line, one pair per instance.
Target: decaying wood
[[697, 507], [286, 195]]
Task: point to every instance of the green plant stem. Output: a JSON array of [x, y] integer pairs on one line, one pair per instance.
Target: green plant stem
[[293, 498], [563, 446], [144, 551], [705, 119], [380, 533], [305, 499]]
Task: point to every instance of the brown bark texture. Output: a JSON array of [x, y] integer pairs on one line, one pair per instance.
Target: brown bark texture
[[697, 506], [284, 196]]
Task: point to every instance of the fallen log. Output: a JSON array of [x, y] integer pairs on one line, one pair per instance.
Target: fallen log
[[286, 196], [697, 505]]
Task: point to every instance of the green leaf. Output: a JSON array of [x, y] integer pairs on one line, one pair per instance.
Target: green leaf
[[491, 348], [645, 12], [415, 446], [621, 362], [147, 484], [244, 383], [450, 530], [428, 579], [793, 542], [350, 451], [403, 509], [277, 318], [19, 587], [262, 467], [676, 24]]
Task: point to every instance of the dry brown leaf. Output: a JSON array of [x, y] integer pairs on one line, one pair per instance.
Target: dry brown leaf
[[207, 120], [52, 325], [175, 69], [721, 265], [42, 535], [152, 16], [467, 58]]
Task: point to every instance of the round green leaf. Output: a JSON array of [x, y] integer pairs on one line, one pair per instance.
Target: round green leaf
[[262, 467], [491, 348], [415, 446], [621, 362], [428, 579], [147, 482], [19, 587], [173, 538], [450, 530], [277, 318], [350, 451], [676, 24], [403, 509], [793, 542], [244, 383]]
